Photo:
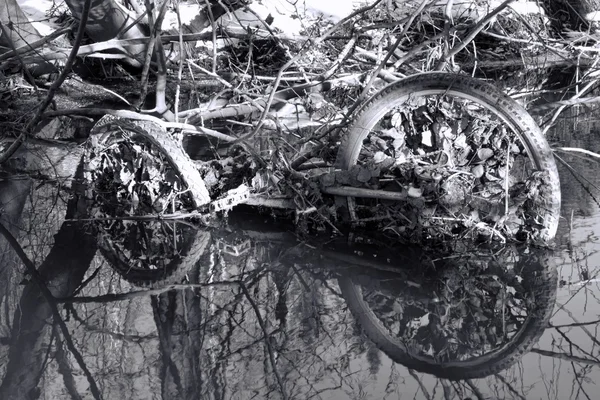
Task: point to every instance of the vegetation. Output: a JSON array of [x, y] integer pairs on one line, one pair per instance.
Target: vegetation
[[228, 103]]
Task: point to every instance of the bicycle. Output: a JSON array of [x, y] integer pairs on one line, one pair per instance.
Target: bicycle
[[435, 156], [431, 158], [486, 310], [508, 292]]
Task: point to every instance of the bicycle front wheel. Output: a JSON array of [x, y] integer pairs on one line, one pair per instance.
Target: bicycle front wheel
[[137, 173], [463, 159]]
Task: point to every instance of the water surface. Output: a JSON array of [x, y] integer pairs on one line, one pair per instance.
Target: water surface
[[264, 316]]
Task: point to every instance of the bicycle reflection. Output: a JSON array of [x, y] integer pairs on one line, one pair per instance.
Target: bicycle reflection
[[461, 314]]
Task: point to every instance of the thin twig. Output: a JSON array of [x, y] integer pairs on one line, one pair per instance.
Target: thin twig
[[11, 44], [580, 178], [64, 367], [390, 52], [510, 386], [148, 55], [579, 150], [32, 46], [591, 335], [109, 298], [340, 58], [309, 44], [575, 324], [473, 33], [583, 91], [579, 376], [211, 74], [214, 35], [160, 105], [448, 23], [475, 390], [127, 114], [447, 389], [416, 49], [421, 384], [564, 356], [570, 102], [182, 57]]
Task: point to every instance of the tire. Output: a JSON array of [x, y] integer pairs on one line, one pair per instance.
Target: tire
[[135, 172], [540, 278], [109, 125], [442, 118], [194, 245]]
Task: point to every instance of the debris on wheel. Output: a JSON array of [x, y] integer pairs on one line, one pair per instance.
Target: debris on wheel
[[464, 161], [137, 174]]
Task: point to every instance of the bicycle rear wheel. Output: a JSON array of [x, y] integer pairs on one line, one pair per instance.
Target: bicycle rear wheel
[[479, 316], [461, 158]]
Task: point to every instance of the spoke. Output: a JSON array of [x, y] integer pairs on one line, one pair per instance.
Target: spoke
[[454, 169]]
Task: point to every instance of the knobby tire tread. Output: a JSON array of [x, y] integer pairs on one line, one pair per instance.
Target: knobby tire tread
[[174, 152], [480, 92], [480, 367]]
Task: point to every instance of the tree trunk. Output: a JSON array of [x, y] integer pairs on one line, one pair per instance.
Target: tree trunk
[[46, 160]]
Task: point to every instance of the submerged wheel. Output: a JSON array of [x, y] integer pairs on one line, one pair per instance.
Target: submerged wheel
[[461, 158], [475, 319], [136, 173]]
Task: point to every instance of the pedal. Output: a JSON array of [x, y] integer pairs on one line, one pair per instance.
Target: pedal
[[235, 250], [232, 198]]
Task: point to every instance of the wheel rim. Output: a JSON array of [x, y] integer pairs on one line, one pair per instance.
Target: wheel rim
[[418, 137]]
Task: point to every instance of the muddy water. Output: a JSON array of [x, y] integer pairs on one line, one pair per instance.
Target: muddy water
[[266, 316]]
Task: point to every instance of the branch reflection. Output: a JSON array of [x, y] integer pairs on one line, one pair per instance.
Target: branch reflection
[[266, 313]]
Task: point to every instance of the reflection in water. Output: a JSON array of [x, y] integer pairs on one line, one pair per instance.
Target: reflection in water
[[571, 341], [463, 315], [159, 254], [263, 315]]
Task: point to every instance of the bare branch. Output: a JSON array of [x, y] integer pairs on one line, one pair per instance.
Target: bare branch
[[261, 322]]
